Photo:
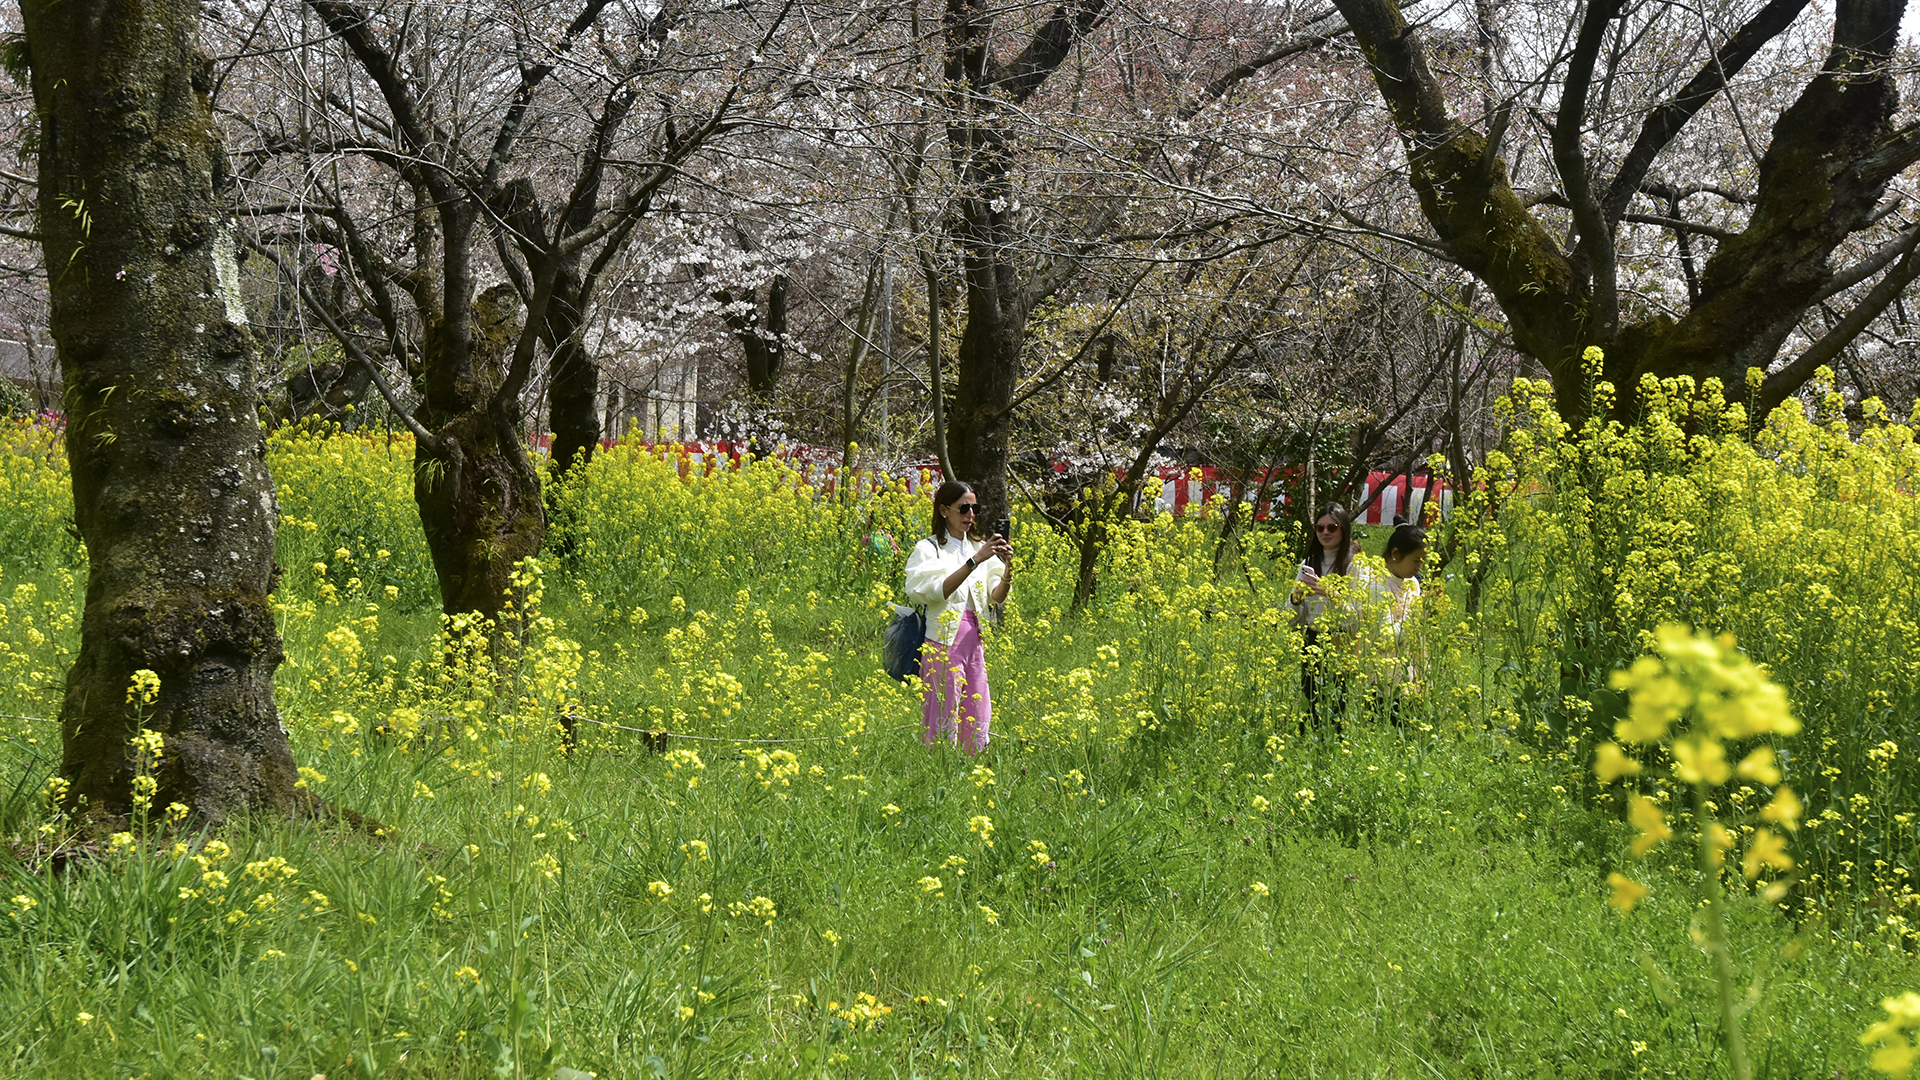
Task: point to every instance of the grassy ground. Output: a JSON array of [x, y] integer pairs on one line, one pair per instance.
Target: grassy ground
[[1225, 903], [1152, 871]]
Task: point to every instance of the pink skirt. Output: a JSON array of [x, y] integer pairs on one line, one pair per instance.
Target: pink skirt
[[959, 707]]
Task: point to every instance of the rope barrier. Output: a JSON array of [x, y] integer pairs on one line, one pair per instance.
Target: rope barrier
[[662, 736], [651, 733], [656, 733]]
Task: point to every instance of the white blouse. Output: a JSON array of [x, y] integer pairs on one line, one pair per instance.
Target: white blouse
[[929, 565], [1311, 606], [1398, 597]]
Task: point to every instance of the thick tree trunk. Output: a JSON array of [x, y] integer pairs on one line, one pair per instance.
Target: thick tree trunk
[[573, 393], [998, 300], [476, 487], [978, 435], [171, 492]]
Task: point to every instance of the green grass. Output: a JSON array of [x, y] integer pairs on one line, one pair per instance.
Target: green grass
[[1435, 909], [1179, 882]]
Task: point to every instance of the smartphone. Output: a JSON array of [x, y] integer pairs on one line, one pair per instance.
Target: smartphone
[[1003, 527]]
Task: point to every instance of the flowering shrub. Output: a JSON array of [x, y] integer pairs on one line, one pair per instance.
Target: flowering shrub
[[1801, 539], [36, 498]]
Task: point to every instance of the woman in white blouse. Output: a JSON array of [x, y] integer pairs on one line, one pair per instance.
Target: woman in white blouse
[[1398, 592], [1325, 614], [1396, 597], [957, 577]]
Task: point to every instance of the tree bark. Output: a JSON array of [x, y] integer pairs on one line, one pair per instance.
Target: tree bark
[[995, 331], [998, 299], [763, 343], [476, 487], [171, 491], [573, 392]]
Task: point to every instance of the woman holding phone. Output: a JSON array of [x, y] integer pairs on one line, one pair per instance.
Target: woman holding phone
[[1329, 556], [957, 576]]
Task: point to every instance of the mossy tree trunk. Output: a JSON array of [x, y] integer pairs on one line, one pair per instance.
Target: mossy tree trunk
[[171, 491], [474, 482], [573, 392]]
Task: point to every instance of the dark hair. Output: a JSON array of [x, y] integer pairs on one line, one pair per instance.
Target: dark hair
[[1405, 538], [947, 494], [1343, 558]]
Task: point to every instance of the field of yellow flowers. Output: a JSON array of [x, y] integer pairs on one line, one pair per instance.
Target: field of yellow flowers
[[1152, 871]]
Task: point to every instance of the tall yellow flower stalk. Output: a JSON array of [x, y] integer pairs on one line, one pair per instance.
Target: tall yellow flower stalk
[[1706, 712]]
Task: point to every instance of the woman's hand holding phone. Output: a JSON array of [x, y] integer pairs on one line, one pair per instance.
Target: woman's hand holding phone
[[998, 547]]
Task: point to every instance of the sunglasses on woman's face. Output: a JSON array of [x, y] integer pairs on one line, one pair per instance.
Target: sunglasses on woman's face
[[965, 508], [1326, 528]]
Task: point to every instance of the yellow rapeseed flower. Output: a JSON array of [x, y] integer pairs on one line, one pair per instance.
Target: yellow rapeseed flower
[[1895, 1059], [145, 685], [982, 825], [1732, 696], [1701, 759], [1768, 849], [1627, 893], [1657, 701], [1647, 817], [1785, 809], [1719, 842], [1610, 763], [1759, 766], [1903, 1015]]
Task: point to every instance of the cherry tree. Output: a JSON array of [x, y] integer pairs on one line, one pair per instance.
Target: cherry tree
[[1706, 179], [170, 486], [476, 170]]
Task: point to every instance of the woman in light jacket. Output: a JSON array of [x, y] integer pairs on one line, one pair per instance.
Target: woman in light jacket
[[1324, 624], [1396, 599], [957, 577]]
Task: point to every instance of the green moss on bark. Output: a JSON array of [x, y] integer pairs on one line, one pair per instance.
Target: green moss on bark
[[171, 491]]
